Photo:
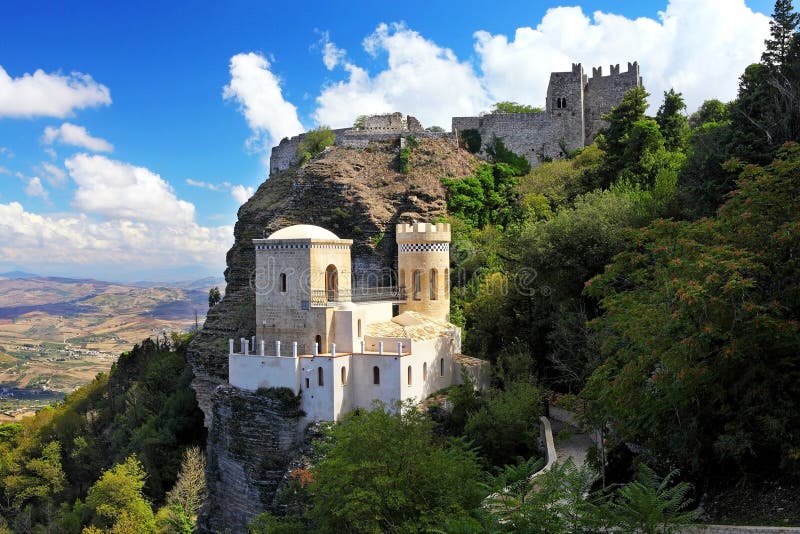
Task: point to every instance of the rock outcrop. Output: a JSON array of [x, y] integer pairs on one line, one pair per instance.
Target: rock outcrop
[[358, 194]]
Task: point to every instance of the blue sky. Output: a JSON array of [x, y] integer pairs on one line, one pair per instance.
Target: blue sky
[[131, 132]]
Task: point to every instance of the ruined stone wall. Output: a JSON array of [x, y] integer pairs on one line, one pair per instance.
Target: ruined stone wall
[[536, 136], [284, 155], [605, 92]]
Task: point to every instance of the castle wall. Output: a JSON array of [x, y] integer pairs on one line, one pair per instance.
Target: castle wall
[[253, 372], [318, 400], [605, 92], [365, 391]]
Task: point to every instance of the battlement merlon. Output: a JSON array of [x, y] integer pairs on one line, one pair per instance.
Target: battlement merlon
[[423, 233], [633, 70]]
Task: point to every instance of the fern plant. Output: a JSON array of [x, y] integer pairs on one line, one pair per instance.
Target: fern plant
[[651, 506]]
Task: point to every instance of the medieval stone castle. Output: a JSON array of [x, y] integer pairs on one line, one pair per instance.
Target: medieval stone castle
[[571, 119]]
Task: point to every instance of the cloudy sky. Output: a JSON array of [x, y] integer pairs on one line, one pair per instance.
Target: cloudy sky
[[130, 133]]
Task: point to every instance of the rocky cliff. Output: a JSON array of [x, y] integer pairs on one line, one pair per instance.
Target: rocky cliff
[[358, 194]]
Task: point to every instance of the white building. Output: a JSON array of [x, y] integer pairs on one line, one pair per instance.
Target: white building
[[342, 347]]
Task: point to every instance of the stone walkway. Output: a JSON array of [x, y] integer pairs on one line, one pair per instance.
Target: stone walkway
[[571, 442]]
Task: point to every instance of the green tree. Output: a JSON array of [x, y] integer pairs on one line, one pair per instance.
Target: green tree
[[507, 426], [214, 297], [38, 480], [387, 472], [782, 29], [671, 121], [314, 142], [613, 139], [186, 496], [700, 331], [116, 499], [514, 107]]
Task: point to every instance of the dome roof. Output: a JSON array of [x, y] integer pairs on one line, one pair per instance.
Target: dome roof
[[303, 231]]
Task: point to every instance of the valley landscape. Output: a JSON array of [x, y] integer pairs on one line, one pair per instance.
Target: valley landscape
[[57, 333]]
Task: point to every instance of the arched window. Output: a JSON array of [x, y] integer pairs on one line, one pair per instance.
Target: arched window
[[446, 282], [417, 283], [424, 370], [564, 102], [283, 282], [331, 282], [376, 375], [441, 367], [433, 282], [401, 279], [318, 341], [320, 382], [344, 376], [359, 328], [409, 375]]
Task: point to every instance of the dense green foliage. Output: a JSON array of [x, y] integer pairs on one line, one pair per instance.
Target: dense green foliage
[[119, 437], [314, 142], [514, 107], [386, 472], [655, 272]]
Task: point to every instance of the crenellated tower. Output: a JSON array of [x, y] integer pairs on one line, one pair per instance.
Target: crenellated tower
[[423, 262]]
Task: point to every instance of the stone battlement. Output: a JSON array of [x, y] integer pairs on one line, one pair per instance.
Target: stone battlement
[[423, 232]]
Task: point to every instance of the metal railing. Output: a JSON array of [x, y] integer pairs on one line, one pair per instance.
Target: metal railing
[[322, 297]]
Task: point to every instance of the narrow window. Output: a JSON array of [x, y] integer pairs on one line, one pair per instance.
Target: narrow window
[[401, 282], [283, 282], [344, 376], [446, 282], [417, 285], [318, 341], [319, 377], [441, 367], [433, 282], [376, 375], [409, 375], [359, 328], [424, 370], [308, 383]]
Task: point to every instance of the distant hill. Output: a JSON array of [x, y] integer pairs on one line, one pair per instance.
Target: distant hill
[[17, 274]]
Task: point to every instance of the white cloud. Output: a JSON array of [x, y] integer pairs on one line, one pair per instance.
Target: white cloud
[[208, 185], [71, 134], [3, 170], [49, 95], [421, 78], [242, 193], [54, 175], [332, 55], [119, 190], [5, 151], [36, 189], [698, 47], [31, 239], [261, 101], [50, 152]]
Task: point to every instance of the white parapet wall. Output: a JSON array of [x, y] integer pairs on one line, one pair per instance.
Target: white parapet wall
[[251, 372]]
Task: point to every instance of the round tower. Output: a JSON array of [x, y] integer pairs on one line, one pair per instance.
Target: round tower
[[423, 263]]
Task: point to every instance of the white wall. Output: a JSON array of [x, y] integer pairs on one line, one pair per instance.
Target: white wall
[[365, 390], [317, 400], [253, 372]]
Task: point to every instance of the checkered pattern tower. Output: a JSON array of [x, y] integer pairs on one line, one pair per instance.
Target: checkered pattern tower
[[423, 263]]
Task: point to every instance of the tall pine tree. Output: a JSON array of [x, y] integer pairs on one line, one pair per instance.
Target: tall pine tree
[[782, 28]]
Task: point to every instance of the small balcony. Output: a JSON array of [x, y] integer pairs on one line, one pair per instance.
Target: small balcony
[[321, 298]]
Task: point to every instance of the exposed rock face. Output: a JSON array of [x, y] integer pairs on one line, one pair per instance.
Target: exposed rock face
[[249, 447], [356, 193]]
